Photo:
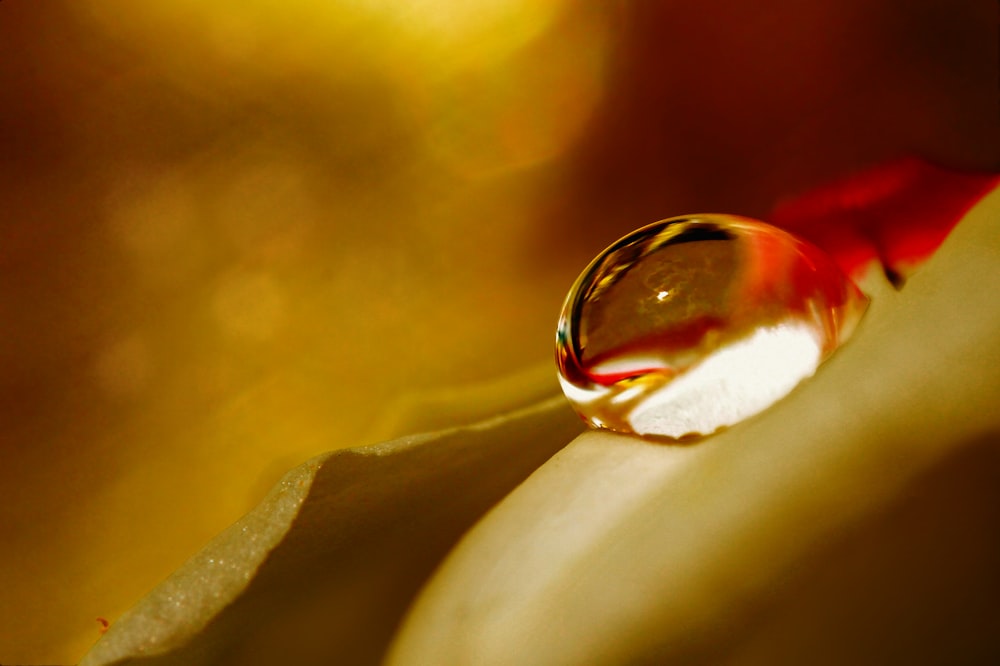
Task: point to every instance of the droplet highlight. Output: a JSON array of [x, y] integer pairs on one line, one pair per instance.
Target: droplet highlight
[[693, 324]]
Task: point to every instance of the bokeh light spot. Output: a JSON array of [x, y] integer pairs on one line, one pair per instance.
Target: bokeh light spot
[[249, 306], [154, 218]]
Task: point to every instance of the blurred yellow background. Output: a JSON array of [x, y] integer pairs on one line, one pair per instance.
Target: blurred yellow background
[[231, 233]]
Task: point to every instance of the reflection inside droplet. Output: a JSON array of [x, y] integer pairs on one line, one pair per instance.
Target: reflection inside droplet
[[695, 323]]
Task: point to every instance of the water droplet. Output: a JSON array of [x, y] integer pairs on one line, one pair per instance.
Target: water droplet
[[695, 323]]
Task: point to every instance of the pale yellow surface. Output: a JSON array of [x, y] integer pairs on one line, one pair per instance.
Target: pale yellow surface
[[622, 551], [234, 234], [306, 576], [854, 522]]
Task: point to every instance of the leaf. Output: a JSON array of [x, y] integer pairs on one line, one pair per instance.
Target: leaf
[[326, 565], [619, 550], [622, 551]]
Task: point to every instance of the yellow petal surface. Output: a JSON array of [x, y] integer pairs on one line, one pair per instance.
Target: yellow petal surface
[[235, 235], [326, 565], [854, 522]]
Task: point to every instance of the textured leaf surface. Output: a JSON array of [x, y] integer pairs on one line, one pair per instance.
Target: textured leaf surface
[[325, 567], [620, 551], [853, 522]]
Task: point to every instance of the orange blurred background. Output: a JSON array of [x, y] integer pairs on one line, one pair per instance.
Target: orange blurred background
[[233, 233]]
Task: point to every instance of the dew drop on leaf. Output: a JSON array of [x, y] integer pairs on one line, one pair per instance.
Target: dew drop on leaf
[[695, 323]]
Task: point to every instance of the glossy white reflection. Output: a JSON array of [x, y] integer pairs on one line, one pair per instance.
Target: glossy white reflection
[[732, 384]]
